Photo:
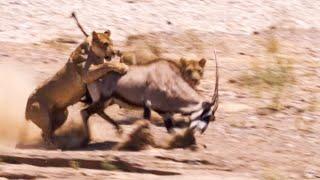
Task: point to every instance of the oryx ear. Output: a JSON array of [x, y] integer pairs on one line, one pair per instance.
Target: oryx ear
[[95, 35], [183, 62], [107, 32], [202, 62]]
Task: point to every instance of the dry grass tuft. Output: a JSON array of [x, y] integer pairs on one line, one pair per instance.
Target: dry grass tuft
[[184, 139], [141, 43], [70, 136], [74, 164], [272, 174], [140, 138], [62, 44], [275, 75], [106, 165], [194, 42]]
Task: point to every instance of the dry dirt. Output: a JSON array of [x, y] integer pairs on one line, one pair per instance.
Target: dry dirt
[[265, 129]]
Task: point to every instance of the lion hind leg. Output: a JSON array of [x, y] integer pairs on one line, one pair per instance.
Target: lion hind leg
[[59, 117], [40, 115], [44, 121]]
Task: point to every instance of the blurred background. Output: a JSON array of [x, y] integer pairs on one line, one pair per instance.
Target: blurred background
[[267, 123]]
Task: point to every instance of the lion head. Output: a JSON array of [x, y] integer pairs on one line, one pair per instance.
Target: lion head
[[192, 70], [102, 46]]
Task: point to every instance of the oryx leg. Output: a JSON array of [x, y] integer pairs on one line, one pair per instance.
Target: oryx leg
[[85, 115], [167, 117], [147, 110], [201, 121], [102, 114], [97, 107], [168, 122]]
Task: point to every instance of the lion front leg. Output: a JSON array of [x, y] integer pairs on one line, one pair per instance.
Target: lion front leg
[[98, 71]]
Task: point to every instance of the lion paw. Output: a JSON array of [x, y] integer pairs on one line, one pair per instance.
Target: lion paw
[[123, 68]]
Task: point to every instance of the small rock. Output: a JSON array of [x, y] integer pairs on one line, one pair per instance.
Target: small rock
[[273, 27], [232, 81], [265, 111], [241, 96], [4, 55]]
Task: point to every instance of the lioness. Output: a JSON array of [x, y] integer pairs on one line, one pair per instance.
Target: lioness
[[191, 70], [47, 105]]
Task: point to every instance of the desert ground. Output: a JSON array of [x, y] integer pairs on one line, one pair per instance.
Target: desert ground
[[267, 124]]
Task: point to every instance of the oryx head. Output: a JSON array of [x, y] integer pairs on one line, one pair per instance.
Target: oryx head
[[200, 119]]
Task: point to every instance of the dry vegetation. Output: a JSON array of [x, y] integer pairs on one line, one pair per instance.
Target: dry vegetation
[[139, 139], [274, 74]]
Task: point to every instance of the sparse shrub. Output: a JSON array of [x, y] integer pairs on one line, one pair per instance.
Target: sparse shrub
[[272, 174], [74, 164], [274, 76], [140, 138], [106, 165], [185, 139]]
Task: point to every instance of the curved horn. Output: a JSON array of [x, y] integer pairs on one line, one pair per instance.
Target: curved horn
[[215, 96], [73, 14]]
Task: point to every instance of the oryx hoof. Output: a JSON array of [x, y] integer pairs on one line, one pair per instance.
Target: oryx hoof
[[49, 144]]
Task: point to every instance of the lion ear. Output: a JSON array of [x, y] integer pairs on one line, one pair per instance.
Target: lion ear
[[202, 62], [107, 32], [183, 62], [94, 35]]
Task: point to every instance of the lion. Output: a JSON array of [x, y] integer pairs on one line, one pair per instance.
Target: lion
[[47, 105], [191, 69]]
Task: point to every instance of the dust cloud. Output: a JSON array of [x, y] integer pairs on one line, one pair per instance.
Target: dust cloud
[[16, 85]]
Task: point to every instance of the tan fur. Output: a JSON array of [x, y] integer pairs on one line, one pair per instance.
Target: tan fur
[[47, 105], [184, 139], [191, 69], [140, 138]]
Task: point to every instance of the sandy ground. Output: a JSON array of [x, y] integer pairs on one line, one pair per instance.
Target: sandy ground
[[255, 136]]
